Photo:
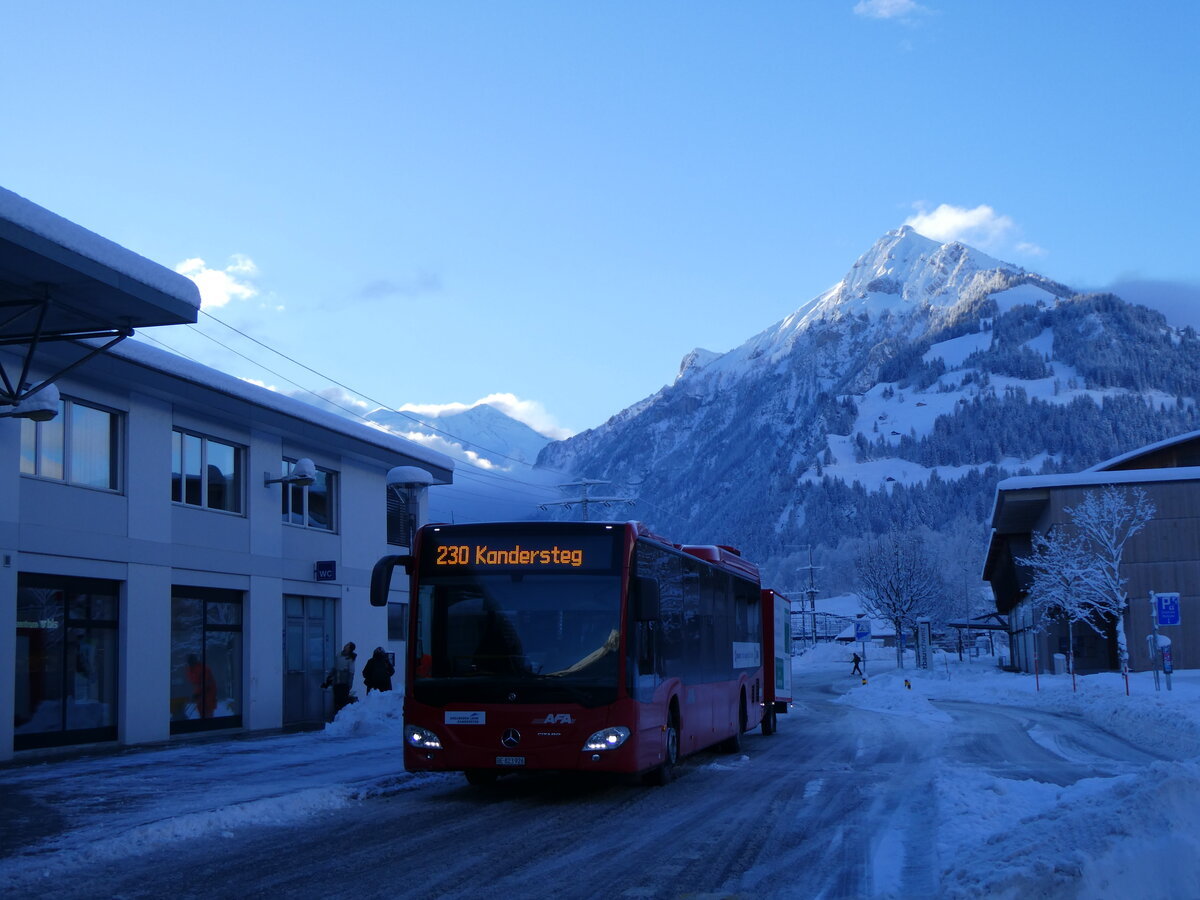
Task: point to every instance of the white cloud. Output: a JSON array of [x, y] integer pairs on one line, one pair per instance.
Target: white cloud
[[888, 9], [531, 412], [980, 227], [219, 286]]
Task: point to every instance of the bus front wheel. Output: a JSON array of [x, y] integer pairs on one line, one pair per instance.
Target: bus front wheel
[[665, 771]]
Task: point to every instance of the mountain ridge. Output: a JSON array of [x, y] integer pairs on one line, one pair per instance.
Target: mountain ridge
[[880, 389]]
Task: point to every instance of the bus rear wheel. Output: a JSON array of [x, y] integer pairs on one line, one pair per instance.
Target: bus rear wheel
[[769, 725]]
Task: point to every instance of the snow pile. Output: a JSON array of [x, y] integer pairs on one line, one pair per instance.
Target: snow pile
[[378, 713]]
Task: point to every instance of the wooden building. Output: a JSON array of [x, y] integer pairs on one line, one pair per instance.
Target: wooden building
[[1163, 557]]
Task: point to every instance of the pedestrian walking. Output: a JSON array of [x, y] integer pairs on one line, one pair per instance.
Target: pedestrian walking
[[857, 660]]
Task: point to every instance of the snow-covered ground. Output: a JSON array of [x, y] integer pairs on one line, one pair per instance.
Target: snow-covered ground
[[1129, 835]]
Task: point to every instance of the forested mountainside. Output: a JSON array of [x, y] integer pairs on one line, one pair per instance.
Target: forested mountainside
[[897, 399]]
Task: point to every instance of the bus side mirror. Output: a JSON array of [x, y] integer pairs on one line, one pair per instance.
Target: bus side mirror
[[647, 605], [381, 577]]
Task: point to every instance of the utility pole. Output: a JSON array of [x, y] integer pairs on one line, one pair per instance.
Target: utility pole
[[811, 591], [584, 499]]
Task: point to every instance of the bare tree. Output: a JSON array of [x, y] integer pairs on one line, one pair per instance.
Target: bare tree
[[898, 582]]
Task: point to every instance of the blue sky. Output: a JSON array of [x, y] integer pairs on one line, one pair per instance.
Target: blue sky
[[431, 203]]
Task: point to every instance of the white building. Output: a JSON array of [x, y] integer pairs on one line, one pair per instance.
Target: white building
[[152, 582]]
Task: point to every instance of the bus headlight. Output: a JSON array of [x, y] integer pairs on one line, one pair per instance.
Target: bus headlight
[[422, 738], [608, 739]]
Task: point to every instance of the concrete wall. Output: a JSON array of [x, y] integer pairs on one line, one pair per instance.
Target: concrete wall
[[138, 537]]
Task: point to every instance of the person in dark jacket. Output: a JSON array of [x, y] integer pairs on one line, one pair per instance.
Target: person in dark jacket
[[341, 677], [378, 672], [856, 670]]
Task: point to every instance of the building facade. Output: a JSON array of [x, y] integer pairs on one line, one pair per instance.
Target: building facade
[[1163, 558], [164, 571]]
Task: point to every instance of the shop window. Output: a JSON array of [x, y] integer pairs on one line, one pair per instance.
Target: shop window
[[206, 659], [312, 505], [206, 472], [79, 446], [66, 661]]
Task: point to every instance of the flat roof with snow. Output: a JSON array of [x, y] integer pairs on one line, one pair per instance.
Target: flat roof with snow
[[59, 279]]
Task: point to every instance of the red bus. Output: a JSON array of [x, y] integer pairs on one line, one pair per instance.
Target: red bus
[[586, 646]]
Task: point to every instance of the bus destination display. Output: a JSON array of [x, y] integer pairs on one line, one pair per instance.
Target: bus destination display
[[512, 553]]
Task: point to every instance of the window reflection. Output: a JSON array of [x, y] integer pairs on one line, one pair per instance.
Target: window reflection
[[206, 659], [66, 661], [309, 505], [206, 472], [80, 445]]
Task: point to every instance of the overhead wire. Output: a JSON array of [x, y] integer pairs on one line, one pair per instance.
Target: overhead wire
[[460, 440], [475, 468]]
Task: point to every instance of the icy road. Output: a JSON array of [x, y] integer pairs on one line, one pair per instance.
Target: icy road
[[866, 791]]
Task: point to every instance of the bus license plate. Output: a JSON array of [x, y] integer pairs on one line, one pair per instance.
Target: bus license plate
[[510, 760]]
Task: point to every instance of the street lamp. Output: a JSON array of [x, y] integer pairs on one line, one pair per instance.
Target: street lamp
[[303, 474], [39, 407]]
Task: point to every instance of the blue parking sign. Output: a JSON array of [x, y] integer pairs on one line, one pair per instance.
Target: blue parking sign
[[1166, 607]]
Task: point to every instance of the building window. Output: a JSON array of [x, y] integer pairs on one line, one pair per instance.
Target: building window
[[309, 505], [206, 659], [397, 621], [66, 661], [206, 472], [78, 446]]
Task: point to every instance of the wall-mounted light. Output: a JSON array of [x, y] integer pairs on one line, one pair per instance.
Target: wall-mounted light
[[303, 474]]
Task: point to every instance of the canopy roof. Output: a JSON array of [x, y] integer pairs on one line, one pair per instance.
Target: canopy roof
[[59, 281]]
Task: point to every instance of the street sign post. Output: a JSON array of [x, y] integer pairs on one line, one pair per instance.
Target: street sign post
[[1167, 608], [862, 634]]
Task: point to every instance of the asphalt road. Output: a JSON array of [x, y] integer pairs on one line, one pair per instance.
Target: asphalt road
[[838, 804]]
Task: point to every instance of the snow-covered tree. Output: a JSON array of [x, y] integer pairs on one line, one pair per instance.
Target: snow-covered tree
[[1105, 521], [1077, 568], [898, 582], [1063, 586]]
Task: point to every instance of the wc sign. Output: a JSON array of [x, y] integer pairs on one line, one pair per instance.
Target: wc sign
[[1166, 608]]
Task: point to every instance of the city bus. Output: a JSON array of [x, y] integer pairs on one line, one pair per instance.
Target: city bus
[[577, 646]]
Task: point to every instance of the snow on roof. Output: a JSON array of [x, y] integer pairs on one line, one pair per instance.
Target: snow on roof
[[185, 369], [1142, 451], [1090, 477], [33, 218]]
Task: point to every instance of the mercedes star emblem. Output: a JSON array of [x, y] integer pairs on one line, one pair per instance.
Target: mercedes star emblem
[[511, 738]]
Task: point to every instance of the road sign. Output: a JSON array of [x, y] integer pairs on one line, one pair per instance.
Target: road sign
[[1166, 607], [862, 629]]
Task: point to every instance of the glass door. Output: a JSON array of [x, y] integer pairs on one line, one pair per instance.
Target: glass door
[[308, 655]]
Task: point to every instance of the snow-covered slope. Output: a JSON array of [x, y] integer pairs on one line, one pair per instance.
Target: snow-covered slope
[[483, 433], [896, 398]]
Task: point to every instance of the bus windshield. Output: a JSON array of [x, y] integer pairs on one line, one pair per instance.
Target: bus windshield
[[517, 637]]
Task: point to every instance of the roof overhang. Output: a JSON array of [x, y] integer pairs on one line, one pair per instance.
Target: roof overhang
[[59, 281]]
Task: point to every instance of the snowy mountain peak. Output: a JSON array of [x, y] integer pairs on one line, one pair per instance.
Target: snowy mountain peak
[[696, 360], [906, 267]]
